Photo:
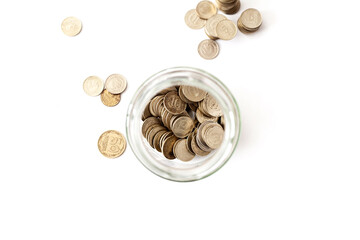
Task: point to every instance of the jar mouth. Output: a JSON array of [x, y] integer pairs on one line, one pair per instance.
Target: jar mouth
[[177, 170]]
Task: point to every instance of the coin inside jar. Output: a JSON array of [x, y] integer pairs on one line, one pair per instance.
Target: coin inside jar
[[182, 122]]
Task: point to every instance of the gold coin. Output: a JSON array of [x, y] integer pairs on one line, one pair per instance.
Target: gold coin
[[193, 21], [71, 26], [250, 19], [181, 152], [211, 23], [112, 144], [182, 126], [109, 99], [226, 29], [116, 83], [173, 103], [206, 9], [208, 49], [93, 86], [213, 135], [193, 94]]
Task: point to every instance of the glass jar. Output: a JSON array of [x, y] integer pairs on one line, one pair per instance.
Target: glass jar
[[199, 167]]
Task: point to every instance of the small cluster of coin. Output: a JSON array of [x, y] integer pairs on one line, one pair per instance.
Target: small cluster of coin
[[182, 122], [217, 26], [110, 92]]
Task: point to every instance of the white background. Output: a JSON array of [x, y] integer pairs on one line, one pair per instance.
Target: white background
[[295, 173]]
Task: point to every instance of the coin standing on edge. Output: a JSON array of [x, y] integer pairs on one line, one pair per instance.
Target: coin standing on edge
[[71, 26], [208, 49], [116, 83], [112, 144], [193, 21], [93, 86]]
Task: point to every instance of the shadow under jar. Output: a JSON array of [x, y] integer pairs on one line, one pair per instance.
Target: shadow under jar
[[199, 167]]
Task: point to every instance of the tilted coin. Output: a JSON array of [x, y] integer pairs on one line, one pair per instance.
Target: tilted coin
[[196, 149], [173, 103], [182, 126], [206, 9], [116, 83], [147, 123], [193, 20], [71, 26], [213, 135], [201, 117], [152, 133], [211, 106], [167, 147], [226, 29], [250, 19], [93, 86], [208, 49], [112, 144], [109, 99], [181, 152], [194, 94], [146, 112], [211, 24], [156, 140]]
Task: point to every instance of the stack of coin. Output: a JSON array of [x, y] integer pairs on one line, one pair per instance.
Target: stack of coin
[[250, 20], [182, 122], [228, 6], [110, 92]]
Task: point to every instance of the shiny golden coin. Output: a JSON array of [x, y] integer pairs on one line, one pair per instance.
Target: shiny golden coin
[[211, 23], [206, 9], [116, 83], [226, 30], [250, 19], [93, 86], [193, 20], [71, 26], [112, 144], [208, 49], [173, 103], [109, 99], [181, 152]]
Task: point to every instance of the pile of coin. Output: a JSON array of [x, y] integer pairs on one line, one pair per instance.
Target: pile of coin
[[217, 26], [110, 92], [182, 122]]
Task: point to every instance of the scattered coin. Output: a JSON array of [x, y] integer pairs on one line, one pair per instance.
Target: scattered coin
[[109, 99], [250, 20], [193, 21], [116, 84], [71, 26], [93, 86], [208, 49], [226, 30], [181, 151], [211, 23], [112, 144], [206, 9]]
